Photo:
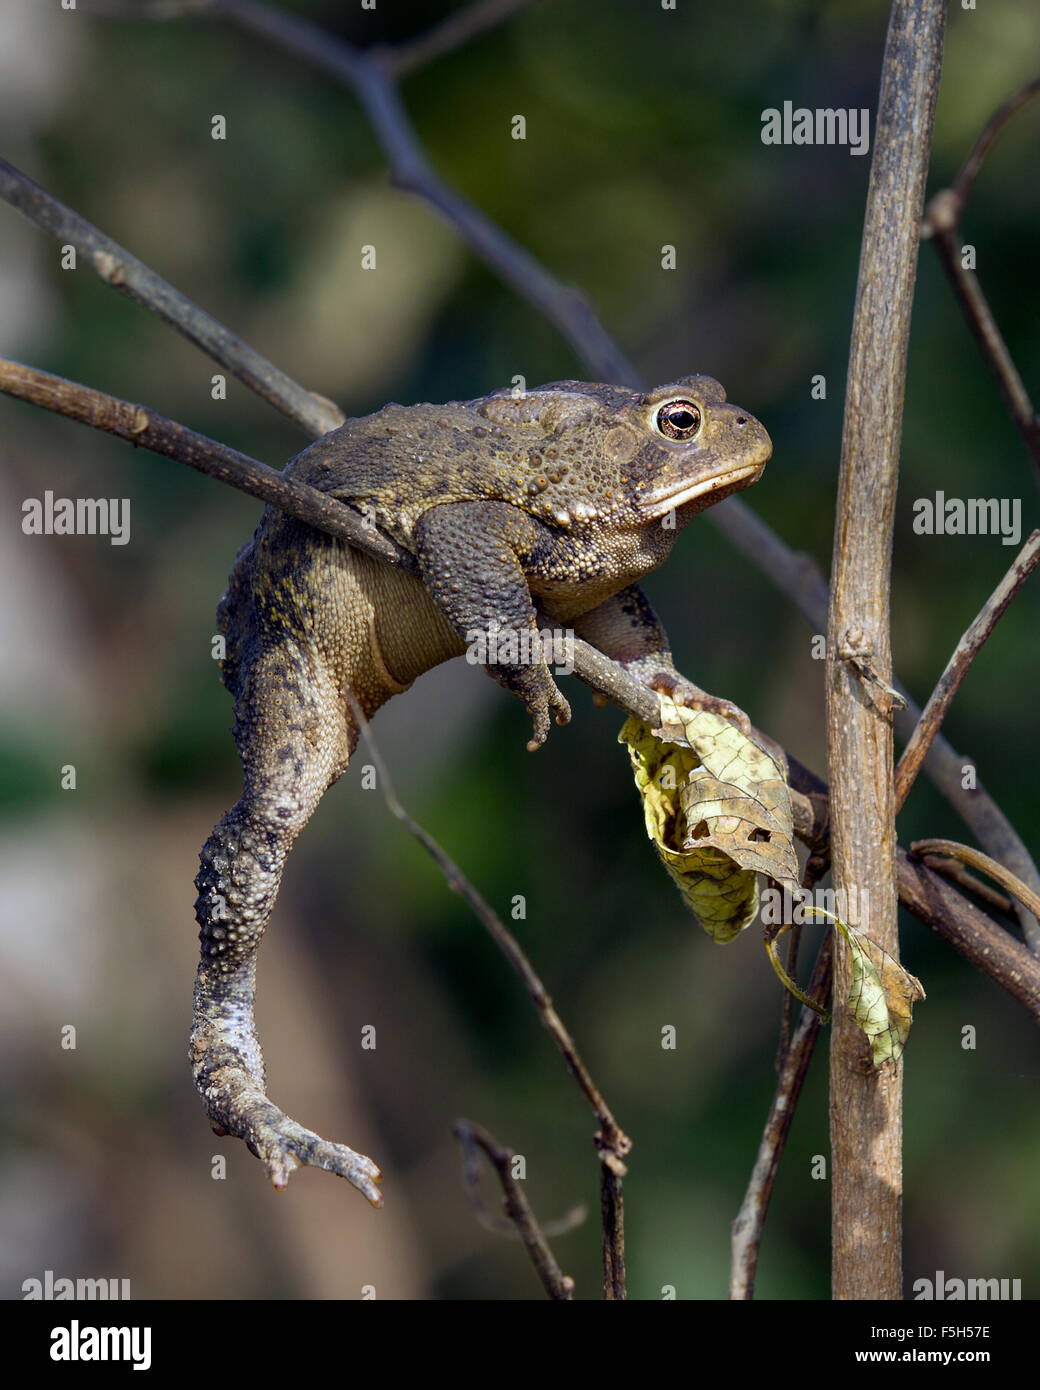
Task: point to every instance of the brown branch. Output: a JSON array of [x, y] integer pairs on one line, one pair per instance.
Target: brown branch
[[967, 882], [471, 1137], [616, 1141], [982, 815], [866, 1105], [124, 272], [146, 429], [940, 225], [747, 1228], [957, 667], [961, 925], [939, 906], [612, 1213]]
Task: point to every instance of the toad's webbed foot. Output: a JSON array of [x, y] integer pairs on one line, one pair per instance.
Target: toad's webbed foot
[[684, 692], [228, 1069], [282, 1146]]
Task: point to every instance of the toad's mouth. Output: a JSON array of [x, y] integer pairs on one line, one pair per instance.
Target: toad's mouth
[[659, 504]]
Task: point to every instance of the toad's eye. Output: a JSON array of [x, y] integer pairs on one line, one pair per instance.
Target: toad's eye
[[678, 419]]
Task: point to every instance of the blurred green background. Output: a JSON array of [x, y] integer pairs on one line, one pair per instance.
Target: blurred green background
[[642, 129]]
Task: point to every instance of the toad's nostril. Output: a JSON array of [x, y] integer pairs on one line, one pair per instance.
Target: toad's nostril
[[741, 419]]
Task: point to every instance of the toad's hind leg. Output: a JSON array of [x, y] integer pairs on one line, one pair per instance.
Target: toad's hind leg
[[294, 738]]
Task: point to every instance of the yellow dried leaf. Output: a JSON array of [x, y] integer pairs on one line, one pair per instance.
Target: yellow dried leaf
[[881, 996], [717, 807]]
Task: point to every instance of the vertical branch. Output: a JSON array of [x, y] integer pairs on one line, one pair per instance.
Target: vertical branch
[[613, 1217], [866, 1105]]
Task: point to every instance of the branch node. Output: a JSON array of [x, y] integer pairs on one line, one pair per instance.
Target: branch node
[[111, 270], [941, 215], [856, 649]]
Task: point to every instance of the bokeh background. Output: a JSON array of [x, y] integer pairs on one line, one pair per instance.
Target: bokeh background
[[643, 129]]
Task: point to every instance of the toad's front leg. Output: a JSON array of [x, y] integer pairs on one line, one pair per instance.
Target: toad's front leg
[[294, 740], [472, 557]]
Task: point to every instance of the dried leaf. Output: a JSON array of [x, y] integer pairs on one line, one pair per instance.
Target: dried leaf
[[881, 996], [717, 807]]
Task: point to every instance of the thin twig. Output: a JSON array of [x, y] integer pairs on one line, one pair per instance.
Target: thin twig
[[987, 822], [975, 859], [815, 868], [961, 925], [971, 167], [124, 272], [147, 429], [450, 33], [611, 1142], [500, 1226], [747, 1228], [956, 872], [471, 1137], [940, 224], [794, 941], [410, 169], [618, 1141], [968, 293], [957, 667]]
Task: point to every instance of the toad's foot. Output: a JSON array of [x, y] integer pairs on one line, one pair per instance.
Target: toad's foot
[[236, 1104], [543, 698], [684, 692], [282, 1146]]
